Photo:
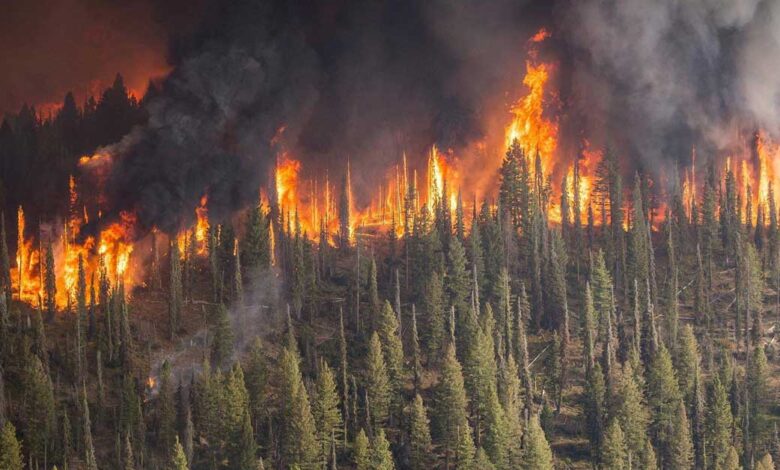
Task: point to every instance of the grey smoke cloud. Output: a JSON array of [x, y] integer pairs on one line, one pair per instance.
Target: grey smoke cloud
[[668, 74]]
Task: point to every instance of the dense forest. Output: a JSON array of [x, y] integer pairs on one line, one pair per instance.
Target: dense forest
[[634, 334]]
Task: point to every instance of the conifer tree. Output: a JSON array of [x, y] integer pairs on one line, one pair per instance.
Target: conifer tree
[[663, 396], [719, 423], [175, 290], [433, 302], [50, 283], [588, 325], [256, 377], [648, 459], [360, 451], [343, 372], [378, 383], [222, 344], [39, 414], [256, 244], [298, 432], [166, 413], [390, 338], [757, 392], [465, 452], [594, 406], [373, 296], [614, 452], [766, 463], [89, 450], [537, 454], [416, 363], [459, 286], [681, 455], [687, 362], [10, 448], [450, 405], [325, 409], [632, 413], [509, 393], [178, 458], [482, 462], [419, 436], [247, 449], [380, 456]]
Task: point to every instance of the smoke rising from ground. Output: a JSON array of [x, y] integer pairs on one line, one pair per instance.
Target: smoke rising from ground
[[662, 76]]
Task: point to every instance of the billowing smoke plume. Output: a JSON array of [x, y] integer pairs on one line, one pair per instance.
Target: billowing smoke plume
[[656, 78], [364, 81], [348, 80]]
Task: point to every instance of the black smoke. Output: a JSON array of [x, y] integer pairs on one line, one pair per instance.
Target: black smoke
[[364, 81]]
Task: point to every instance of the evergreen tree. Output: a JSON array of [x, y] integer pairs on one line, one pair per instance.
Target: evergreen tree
[[509, 393], [380, 456], [39, 415], [419, 436], [766, 463], [256, 244], [482, 462], [5, 261], [719, 423], [757, 393], [687, 362], [594, 406], [222, 344], [247, 449], [681, 455], [378, 385], [631, 413], [465, 452], [178, 459], [298, 432], [50, 283], [360, 451], [89, 451], [325, 409], [450, 405], [459, 286], [256, 377], [537, 454], [175, 290], [433, 302], [663, 396], [390, 338], [614, 452], [10, 448], [166, 413]]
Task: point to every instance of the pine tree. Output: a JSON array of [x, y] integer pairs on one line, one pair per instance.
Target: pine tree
[[360, 451], [419, 436], [719, 423], [537, 454], [482, 462], [256, 244], [687, 362], [89, 450], [416, 362], [450, 404], [373, 296], [614, 452], [39, 411], [509, 393], [256, 377], [588, 325], [594, 406], [247, 449], [50, 283], [222, 344], [663, 396], [10, 448], [380, 456], [378, 385], [5, 261], [433, 302], [166, 413], [343, 373], [631, 413], [757, 393], [175, 290], [390, 338], [465, 451], [766, 463], [298, 439], [178, 458], [681, 455], [459, 286], [325, 409]]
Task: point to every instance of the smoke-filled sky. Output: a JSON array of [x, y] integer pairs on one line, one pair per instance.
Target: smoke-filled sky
[[364, 80], [48, 48]]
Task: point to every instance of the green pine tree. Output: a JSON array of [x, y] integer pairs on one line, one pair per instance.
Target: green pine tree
[[175, 290], [719, 423], [360, 451], [537, 454], [326, 409], [663, 397], [378, 385], [450, 405], [222, 344], [614, 452], [419, 436], [166, 412], [380, 456], [298, 431], [10, 448], [178, 459]]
